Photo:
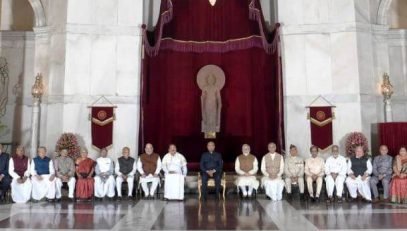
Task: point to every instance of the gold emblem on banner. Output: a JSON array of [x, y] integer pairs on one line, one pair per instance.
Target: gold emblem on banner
[[102, 115], [321, 115]]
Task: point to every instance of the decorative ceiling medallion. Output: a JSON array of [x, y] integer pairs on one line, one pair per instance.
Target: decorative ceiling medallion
[[212, 2]]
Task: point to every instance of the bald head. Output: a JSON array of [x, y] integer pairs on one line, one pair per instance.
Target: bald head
[[246, 149], [272, 147], [335, 151], [149, 149], [384, 150]]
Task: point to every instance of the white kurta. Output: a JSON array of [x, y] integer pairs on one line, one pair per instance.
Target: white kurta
[[174, 182], [104, 180], [243, 180], [335, 165], [273, 187], [358, 184], [155, 181], [20, 193], [45, 187], [130, 179]]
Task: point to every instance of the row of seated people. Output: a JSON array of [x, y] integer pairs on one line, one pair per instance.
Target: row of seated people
[[43, 177], [47, 175], [357, 172]]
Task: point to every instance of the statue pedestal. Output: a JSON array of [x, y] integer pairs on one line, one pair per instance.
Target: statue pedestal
[[210, 135]]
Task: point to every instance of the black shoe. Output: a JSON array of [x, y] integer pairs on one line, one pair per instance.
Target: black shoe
[[317, 200], [118, 198], [58, 200], [302, 197], [289, 196], [312, 199], [339, 200], [351, 199], [329, 200]]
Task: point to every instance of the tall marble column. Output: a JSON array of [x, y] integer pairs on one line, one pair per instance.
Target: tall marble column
[[35, 126], [388, 114]]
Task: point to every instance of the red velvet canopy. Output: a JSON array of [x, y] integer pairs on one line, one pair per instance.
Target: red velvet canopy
[[394, 135], [189, 35]]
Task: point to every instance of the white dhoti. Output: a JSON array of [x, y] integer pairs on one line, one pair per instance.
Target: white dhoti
[[154, 183], [71, 187], [358, 184], [43, 188], [274, 188], [174, 186], [247, 181], [130, 184], [331, 184], [21, 193], [104, 187]]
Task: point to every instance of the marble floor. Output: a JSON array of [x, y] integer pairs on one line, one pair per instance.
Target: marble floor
[[231, 214]]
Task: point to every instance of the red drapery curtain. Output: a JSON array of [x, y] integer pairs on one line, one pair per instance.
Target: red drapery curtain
[[252, 97], [394, 135]]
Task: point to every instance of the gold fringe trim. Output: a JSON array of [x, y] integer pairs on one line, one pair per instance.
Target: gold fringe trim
[[322, 123], [325, 149], [98, 149], [215, 42], [103, 123]]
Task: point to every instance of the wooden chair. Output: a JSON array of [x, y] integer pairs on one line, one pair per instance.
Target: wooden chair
[[211, 183], [7, 196]]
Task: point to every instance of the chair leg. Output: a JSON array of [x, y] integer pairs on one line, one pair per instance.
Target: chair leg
[[199, 191]]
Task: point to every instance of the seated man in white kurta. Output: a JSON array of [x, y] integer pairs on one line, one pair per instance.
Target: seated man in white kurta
[[19, 170], [43, 176], [104, 180], [175, 169], [149, 166], [246, 166], [272, 167], [126, 167], [335, 170], [65, 171], [359, 171]]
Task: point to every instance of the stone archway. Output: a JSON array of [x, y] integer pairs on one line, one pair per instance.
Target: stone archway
[[39, 13], [382, 14]]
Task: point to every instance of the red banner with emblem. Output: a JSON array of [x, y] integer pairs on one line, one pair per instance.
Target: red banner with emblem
[[102, 126], [321, 126]]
